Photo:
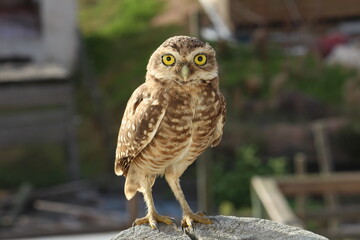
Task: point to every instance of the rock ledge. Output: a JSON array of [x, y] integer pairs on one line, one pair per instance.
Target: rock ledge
[[224, 227]]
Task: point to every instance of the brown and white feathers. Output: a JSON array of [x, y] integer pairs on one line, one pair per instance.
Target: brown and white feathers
[[174, 116]]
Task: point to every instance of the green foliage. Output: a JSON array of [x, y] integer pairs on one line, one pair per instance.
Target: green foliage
[[232, 183], [118, 40], [307, 74], [318, 79], [239, 62], [109, 18], [42, 166], [120, 62]]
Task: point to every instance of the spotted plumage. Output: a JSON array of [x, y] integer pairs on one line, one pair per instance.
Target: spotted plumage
[[169, 121]]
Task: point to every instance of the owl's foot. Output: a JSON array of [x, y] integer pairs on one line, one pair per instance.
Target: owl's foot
[[190, 217], [153, 219]]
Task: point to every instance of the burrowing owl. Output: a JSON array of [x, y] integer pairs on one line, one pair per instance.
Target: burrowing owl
[[169, 121]]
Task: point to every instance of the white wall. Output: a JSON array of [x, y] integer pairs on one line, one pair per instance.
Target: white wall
[[58, 41], [60, 31]]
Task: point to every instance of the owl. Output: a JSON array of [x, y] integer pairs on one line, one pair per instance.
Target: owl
[[169, 121]]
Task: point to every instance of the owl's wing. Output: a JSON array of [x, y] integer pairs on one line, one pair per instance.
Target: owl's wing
[[142, 117], [219, 127]]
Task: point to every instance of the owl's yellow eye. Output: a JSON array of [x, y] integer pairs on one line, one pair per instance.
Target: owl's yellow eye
[[168, 59], [200, 59]]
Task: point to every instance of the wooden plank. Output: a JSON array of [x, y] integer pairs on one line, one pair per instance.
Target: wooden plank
[[194, 24], [275, 10], [352, 232], [33, 127], [221, 28], [28, 118], [89, 213], [25, 95], [326, 165], [351, 212], [300, 170], [256, 206], [72, 149], [203, 179], [337, 183], [18, 205], [274, 201], [68, 189], [33, 134], [32, 72], [65, 190], [322, 148]]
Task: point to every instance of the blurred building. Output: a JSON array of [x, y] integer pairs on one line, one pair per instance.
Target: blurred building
[[38, 52], [244, 13], [40, 31]]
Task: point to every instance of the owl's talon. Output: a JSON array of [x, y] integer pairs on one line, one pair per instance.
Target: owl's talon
[[173, 220], [190, 218], [153, 220], [187, 226], [201, 213], [141, 221], [214, 220], [153, 225]]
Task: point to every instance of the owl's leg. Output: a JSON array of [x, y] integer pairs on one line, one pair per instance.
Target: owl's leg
[[152, 217], [188, 215]]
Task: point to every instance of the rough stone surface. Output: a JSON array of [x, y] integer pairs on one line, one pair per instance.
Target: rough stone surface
[[224, 227]]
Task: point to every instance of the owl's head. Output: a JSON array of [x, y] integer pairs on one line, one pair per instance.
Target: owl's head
[[185, 60]]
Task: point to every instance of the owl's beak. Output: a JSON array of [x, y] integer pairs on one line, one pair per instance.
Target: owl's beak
[[185, 72]]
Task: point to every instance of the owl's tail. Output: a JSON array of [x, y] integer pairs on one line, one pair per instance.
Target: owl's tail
[[131, 183], [137, 180]]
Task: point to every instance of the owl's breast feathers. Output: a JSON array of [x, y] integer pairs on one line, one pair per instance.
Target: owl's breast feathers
[[163, 125]]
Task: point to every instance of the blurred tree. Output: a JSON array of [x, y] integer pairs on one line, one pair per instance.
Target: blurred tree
[[232, 179]]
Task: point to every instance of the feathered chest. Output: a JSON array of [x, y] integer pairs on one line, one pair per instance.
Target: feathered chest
[[173, 125], [199, 107], [189, 121]]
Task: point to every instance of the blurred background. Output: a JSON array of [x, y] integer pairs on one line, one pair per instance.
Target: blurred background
[[289, 70]]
